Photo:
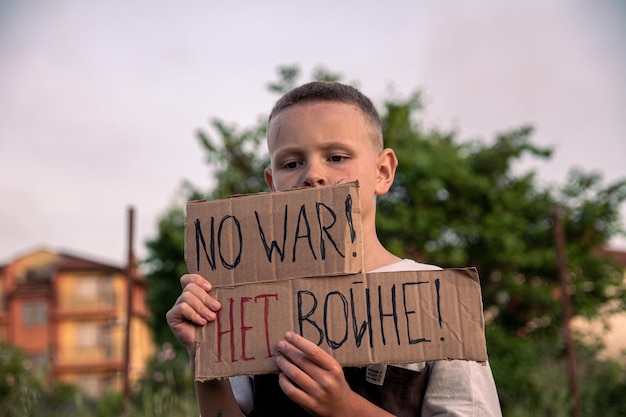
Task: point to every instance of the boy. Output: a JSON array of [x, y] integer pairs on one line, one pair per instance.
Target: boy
[[323, 134]]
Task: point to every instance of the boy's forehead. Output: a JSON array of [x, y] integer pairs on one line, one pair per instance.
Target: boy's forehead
[[310, 109]]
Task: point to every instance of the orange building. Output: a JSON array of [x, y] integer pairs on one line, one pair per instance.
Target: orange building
[[69, 314]]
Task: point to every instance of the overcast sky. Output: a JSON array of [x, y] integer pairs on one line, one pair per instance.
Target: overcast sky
[[100, 101]]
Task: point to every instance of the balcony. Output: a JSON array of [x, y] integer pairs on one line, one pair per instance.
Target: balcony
[[87, 308]]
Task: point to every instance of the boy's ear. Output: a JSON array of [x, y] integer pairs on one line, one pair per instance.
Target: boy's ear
[[269, 179], [387, 162]]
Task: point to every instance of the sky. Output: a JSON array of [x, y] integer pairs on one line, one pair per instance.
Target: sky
[[100, 102]]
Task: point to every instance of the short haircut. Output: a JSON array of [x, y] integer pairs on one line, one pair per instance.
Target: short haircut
[[317, 91]]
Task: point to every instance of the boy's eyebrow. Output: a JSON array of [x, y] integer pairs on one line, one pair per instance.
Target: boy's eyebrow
[[333, 145], [286, 152]]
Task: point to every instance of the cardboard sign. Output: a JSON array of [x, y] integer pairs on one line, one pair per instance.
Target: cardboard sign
[[293, 261], [274, 236], [395, 317]]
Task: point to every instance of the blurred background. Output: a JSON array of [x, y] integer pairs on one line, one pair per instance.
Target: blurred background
[[106, 105]]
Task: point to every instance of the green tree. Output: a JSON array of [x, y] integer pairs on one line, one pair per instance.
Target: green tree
[[20, 389], [165, 263], [461, 203], [26, 390], [457, 203]]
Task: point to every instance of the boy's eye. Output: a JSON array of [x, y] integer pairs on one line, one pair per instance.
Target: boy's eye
[[336, 158], [291, 165]]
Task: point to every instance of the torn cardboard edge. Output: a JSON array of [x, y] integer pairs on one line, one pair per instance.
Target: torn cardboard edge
[[273, 236], [360, 319]]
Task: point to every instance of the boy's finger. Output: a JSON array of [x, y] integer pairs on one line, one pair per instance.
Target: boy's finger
[[193, 290], [197, 280], [188, 313], [294, 385], [297, 373], [203, 305], [312, 352]]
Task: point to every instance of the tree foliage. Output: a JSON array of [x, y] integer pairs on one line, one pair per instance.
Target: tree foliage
[[457, 203], [461, 203], [165, 265], [25, 390]]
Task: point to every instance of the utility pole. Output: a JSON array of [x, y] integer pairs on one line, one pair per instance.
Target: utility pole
[[559, 242], [130, 274]]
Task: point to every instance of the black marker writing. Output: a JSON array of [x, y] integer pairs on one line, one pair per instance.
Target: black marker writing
[[210, 255], [270, 249], [325, 228], [307, 235], [438, 303]]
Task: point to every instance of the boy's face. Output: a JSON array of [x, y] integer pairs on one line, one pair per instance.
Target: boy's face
[[326, 143]]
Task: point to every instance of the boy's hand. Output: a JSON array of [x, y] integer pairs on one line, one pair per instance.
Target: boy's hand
[[194, 307], [314, 379]]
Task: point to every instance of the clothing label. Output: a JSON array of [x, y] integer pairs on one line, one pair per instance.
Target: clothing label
[[376, 374]]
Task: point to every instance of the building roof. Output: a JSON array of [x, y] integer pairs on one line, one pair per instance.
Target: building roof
[[68, 260], [618, 255]]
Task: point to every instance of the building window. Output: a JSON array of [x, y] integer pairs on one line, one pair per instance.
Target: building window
[[41, 274], [98, 289], [87, 288], [107, 341], [34, 313], [87, 335]]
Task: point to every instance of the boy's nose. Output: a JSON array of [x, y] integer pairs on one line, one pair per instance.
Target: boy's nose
[[315, 181], [314, 177]]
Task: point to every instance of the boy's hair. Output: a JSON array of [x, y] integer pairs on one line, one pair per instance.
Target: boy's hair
[[332, 91]]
